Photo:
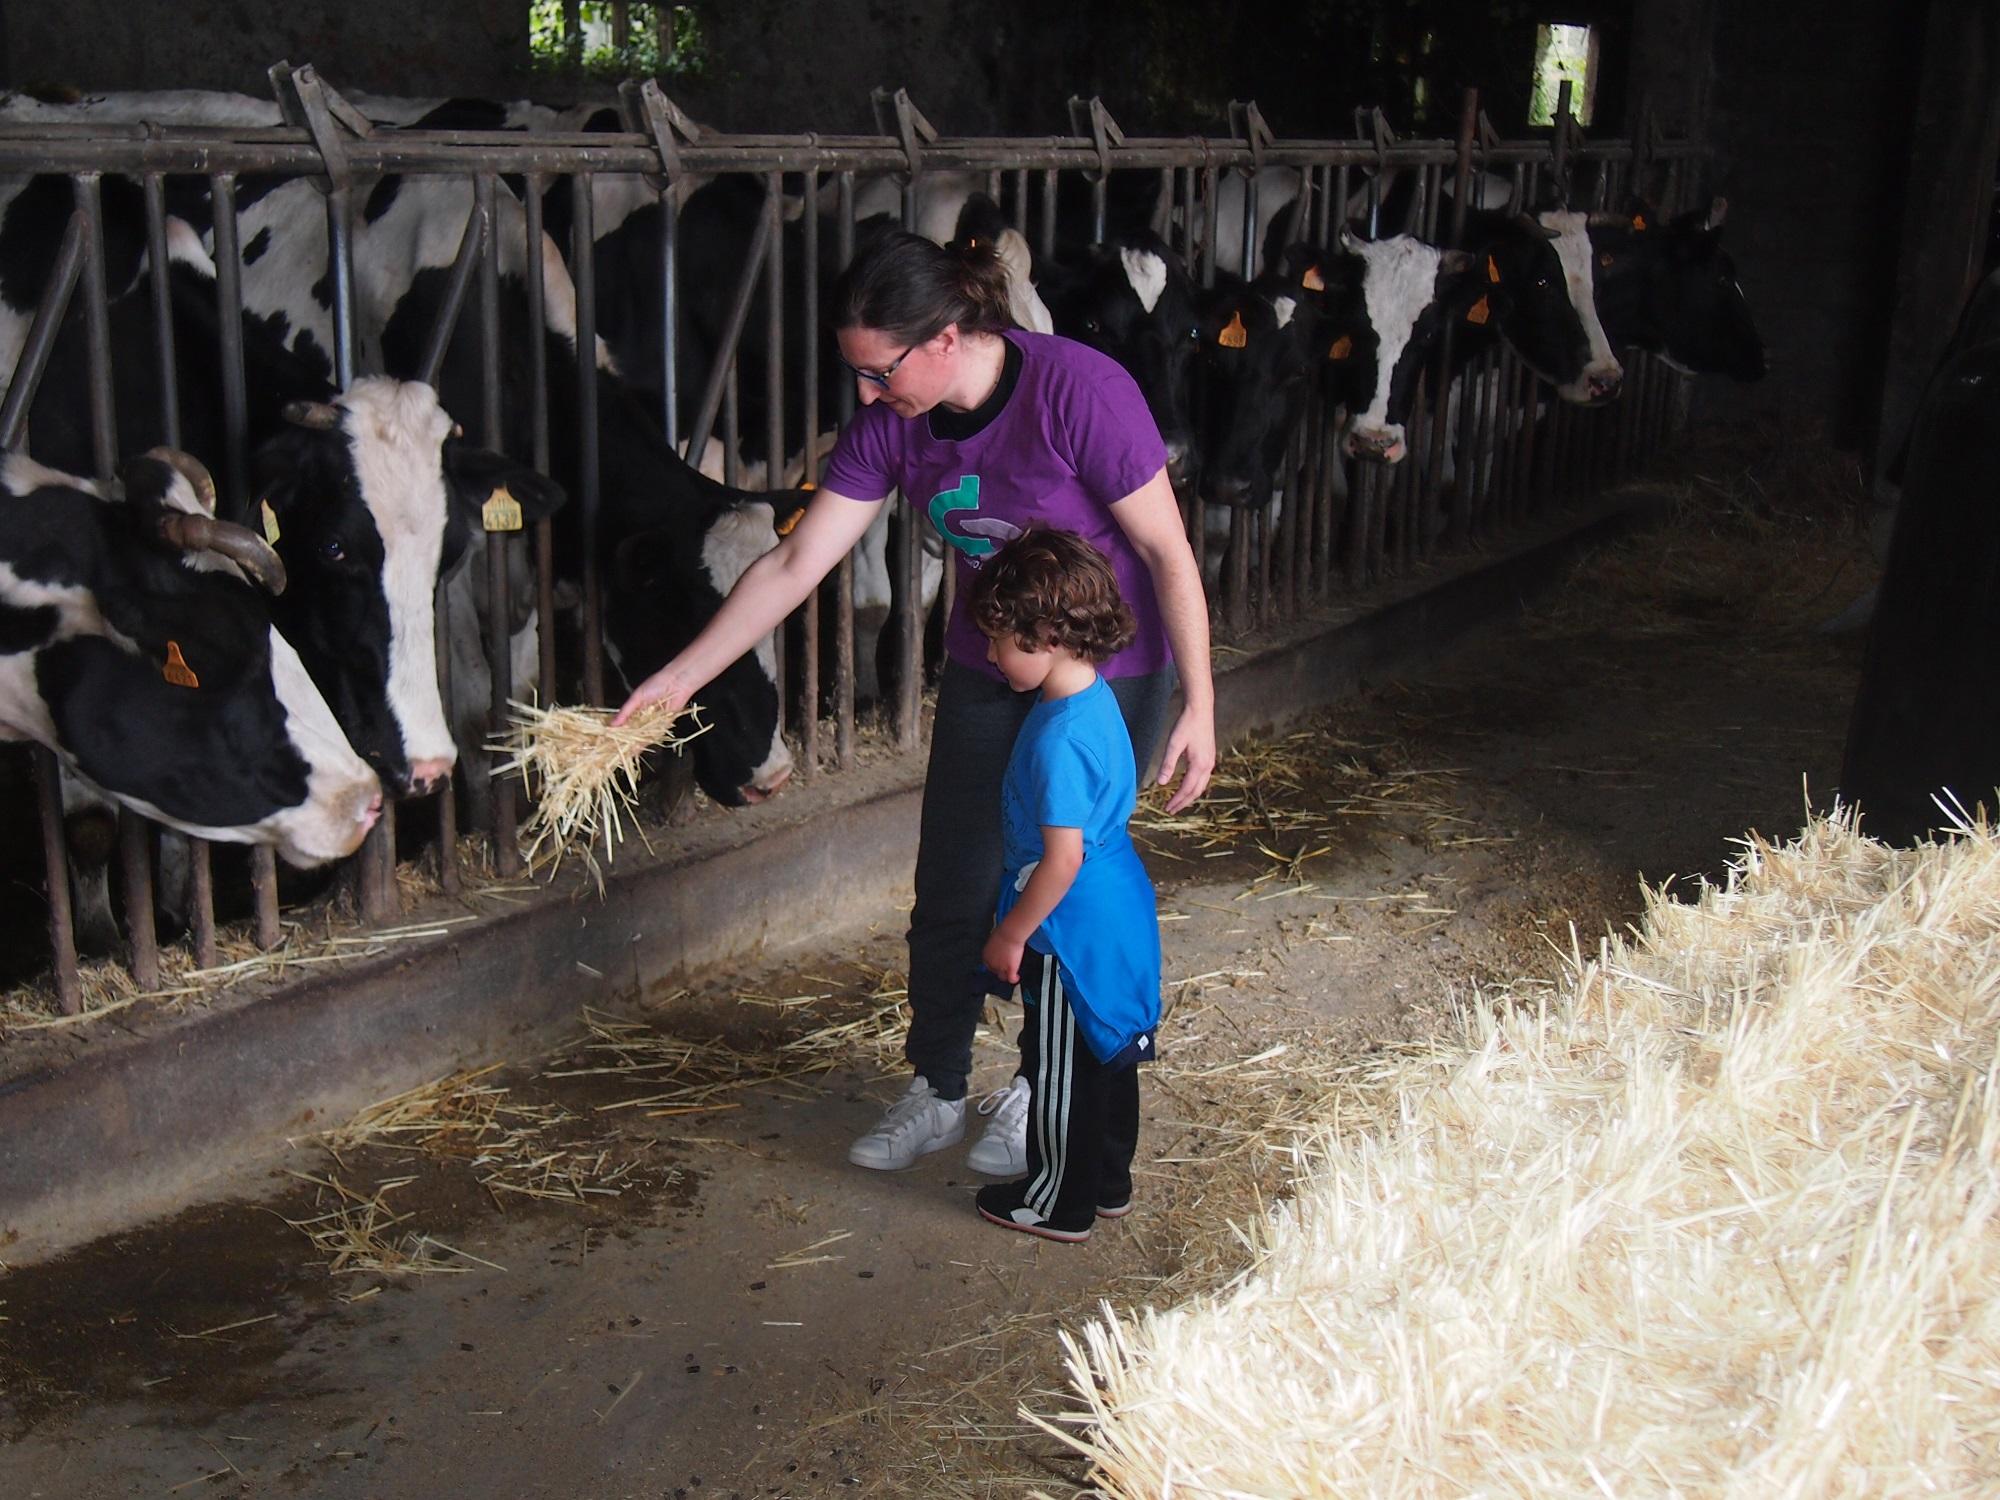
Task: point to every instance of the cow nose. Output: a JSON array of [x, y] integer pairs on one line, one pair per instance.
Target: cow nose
[[1604, 387], [754, 793], [1374, 445], [1177, 462], [426, 776], [372, 813]]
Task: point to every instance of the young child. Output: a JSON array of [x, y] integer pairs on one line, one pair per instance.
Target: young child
[[1077, 925]]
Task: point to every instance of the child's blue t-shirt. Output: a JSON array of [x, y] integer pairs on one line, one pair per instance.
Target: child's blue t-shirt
[[1072, 767]]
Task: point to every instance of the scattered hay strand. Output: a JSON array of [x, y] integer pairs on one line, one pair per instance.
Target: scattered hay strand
[[1718, 1214], [108, 987], [584, 772], [357, 1234], [507, 1143]]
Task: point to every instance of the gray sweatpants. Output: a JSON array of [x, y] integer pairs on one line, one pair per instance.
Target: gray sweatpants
[[959, 854]]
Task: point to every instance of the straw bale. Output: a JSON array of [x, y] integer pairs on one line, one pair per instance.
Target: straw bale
[[1715, 1214]]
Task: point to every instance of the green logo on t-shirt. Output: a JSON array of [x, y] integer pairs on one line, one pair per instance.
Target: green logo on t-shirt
[[975, 535], [964, 497]]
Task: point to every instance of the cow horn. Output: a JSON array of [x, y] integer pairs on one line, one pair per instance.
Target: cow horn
[[192, 470], [318, 415], [240, 545], [1607, 220], [1535, 226]]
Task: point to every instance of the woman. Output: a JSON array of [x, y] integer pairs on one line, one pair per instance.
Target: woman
[[990, 430]]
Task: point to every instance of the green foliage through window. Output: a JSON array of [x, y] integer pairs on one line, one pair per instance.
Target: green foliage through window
[[1563, 54], [617, 38]]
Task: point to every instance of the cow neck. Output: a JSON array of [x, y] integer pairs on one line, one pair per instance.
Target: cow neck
[[949, 426]]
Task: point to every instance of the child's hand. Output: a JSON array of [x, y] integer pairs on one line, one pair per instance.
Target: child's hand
[[1003, 956]]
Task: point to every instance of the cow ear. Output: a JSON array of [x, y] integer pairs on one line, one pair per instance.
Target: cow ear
[[477, 475], [1455, 262]]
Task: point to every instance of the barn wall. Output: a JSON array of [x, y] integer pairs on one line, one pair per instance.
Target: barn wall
[[1809, 112], [389, 46]]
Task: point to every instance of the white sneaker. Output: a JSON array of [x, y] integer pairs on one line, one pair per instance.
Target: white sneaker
[[1003, 1150], [917, 1123]]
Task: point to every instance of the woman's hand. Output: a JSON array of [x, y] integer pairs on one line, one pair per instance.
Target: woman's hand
[[1003, 956], [664, 687], [1193, 737]]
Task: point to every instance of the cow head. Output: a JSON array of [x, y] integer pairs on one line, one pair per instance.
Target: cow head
[[140, 652], [1671, 289], [1601, 376], [1397, 295], [1517, 287], [1133, 301], [370, 503], [666, 585], [1255, 340]]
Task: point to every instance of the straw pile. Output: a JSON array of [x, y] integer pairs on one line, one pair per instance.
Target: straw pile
[[1715, 1215], [584, 772]]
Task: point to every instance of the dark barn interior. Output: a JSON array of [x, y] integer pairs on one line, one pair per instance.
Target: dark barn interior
[[1492, 678]]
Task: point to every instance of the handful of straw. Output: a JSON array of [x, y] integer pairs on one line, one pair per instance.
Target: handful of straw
[[584, 772]]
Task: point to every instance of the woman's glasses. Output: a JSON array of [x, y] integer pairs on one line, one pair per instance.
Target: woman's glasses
[[880, 377]]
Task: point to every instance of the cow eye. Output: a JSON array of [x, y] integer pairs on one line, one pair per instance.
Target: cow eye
[[331, 550], [1091, 325]]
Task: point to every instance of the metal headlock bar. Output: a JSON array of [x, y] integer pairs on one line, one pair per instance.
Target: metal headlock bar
[[1331, 525]]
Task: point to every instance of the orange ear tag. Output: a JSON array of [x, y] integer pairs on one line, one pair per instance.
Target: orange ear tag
[[501, 512], [1479, 312], [1492, 271], [786, 526], [177, 671], [1342, 347], [1235, 336], [1312, 281], [1638, 221]]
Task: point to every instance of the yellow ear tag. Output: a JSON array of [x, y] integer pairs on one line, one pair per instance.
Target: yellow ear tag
[[1312, 281], [270, 522], [1235, 336], [786, 526], [177, 671], [1479, 312], [1342, 347], [1492, 271], [1638, 221], [501, 512]]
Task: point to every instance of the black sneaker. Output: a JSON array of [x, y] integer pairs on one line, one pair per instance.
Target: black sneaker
[[1005, 1204]]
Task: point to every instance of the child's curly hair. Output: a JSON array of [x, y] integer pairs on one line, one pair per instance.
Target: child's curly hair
[[1052, 588]]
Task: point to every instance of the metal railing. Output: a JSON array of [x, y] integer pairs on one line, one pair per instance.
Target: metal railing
[[1339, 525]]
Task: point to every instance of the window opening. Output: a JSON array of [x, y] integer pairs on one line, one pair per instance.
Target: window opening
[[621, 38], [1564, 54]]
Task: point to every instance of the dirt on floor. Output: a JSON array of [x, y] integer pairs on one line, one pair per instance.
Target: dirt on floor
[[641, 1266]]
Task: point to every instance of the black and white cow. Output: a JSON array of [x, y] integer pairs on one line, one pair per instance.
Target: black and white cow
[[403, 251], [368, 495], [134, 646], [1670, 289], [1258, 345]]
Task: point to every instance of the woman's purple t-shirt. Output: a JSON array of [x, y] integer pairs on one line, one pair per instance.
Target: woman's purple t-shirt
[[1073, 438]]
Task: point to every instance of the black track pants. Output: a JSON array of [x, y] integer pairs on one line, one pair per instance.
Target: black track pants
[[1083, 1118]]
